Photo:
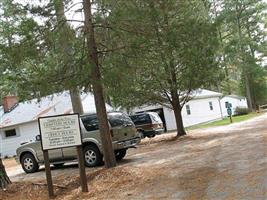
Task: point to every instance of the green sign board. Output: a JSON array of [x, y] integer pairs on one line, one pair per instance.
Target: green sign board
[[229, 111]]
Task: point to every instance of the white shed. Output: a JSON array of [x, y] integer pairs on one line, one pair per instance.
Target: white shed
[[203, 107], [20, 124], [236, 101]]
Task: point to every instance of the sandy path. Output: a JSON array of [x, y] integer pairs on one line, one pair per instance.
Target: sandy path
[[228, 162], [217, 163]]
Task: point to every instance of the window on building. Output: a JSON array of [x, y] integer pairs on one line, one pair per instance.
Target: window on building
[[211, 106], [188, 111], [10, 133]]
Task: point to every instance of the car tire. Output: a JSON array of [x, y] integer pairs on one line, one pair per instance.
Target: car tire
[[29, 163], [141, 134], [120, 154], [58, 165], [92, 156]]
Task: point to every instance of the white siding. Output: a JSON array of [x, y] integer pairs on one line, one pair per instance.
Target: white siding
[[235, 103], [25, 132], [200, 112]]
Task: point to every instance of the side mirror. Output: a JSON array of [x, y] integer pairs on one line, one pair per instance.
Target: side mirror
[[38, 138]]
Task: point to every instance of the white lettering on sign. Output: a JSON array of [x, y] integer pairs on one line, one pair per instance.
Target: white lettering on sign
[[60, 131]]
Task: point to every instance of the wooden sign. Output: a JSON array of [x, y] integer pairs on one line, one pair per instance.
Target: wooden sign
[[61, 131]]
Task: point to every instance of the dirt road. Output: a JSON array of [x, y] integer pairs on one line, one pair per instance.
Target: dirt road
[[228, 162]]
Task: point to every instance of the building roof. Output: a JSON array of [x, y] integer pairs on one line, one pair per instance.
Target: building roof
[[56, 104], [235, 96], [203, 94]]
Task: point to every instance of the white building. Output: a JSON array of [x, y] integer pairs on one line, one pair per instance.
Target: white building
[[21, 123], [205, 106], [236, 101]]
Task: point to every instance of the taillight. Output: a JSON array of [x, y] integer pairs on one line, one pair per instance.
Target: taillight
[[154, 125], [111, 133]]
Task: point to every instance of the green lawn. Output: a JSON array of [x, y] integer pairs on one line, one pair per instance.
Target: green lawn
[[225, 121]]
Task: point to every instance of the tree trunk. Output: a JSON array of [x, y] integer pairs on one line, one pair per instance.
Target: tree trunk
[[95, 76], [178, 115], [222, 58], [229, 91], [248, 93], [245, 70], [4, 180], [64, 46], [76, 100]]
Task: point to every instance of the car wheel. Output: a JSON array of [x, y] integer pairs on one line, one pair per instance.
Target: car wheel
[[29, 164], [92, 156], [141, 134], [58, 165], [120, 154]]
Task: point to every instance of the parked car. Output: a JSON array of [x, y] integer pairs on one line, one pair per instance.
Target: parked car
[[149, 123], [123, 132]]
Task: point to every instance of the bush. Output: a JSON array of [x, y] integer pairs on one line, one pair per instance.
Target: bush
[[241, 111]]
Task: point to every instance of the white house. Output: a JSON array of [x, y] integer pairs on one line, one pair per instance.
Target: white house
[[21, 123], [205, 106], [236, 101]]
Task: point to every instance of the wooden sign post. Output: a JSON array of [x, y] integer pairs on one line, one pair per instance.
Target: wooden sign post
[[82, 169], [61, 131], [229, 111], [48, 175]]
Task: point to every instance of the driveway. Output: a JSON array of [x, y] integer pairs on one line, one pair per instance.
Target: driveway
[[227, 162]]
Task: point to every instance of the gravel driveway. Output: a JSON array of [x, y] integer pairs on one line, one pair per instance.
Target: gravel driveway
[[228, 162]]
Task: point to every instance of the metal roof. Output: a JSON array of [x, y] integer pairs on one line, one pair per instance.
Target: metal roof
[[204, 93], [235, 96]]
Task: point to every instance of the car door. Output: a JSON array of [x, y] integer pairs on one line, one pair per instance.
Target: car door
[[54, 154], [90, 124]]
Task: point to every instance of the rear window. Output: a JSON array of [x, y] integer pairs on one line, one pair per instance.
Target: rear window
[[90, 122], [119, 119], [141, 119], [155, 117]]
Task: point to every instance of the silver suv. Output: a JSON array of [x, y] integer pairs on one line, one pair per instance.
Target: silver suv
[[123, 132]]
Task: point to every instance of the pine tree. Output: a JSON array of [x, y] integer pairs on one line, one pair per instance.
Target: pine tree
[[242, 38], [165, 51]]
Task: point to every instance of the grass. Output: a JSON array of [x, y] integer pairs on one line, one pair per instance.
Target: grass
[[225, 121]]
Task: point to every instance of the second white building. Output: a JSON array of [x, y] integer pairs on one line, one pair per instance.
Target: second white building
[[205, 106]]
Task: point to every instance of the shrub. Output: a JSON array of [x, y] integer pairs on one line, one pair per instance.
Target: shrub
[[241, 111]]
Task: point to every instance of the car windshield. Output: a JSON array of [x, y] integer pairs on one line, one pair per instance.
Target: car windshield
[[119, 119], [141, 119]]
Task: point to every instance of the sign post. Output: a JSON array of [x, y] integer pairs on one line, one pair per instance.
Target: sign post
[[229, 110], [82, 169], [48, 175], [61, 131]]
